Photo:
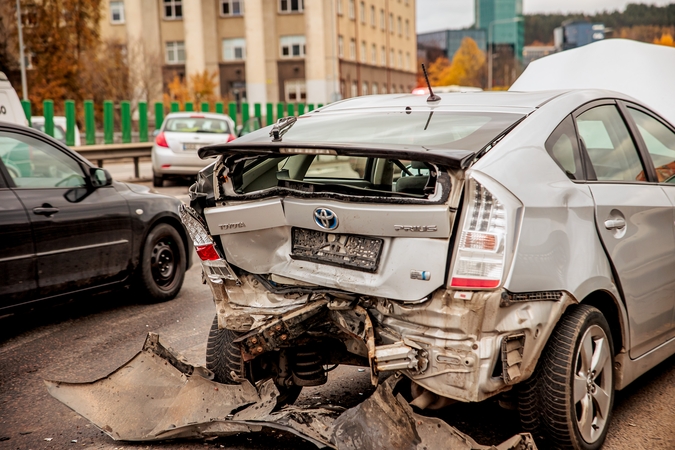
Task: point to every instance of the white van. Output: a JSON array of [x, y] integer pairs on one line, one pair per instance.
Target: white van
[[10, 105]]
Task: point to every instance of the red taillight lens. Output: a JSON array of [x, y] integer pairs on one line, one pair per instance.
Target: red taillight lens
[[231, 138], [473, 283], [207, 252], [161, 140]]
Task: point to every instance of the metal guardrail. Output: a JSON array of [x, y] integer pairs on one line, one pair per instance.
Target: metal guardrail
[[100, 153]]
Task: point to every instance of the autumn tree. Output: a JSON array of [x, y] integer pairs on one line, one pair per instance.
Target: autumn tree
[[467, 67], [58, 35], [437, 70], [200, 88], [666, 39]]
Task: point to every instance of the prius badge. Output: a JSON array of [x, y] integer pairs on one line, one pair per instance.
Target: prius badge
[[325, 218]]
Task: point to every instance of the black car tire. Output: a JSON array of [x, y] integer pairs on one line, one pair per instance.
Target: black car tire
[[162, 266], [157, 180], [223, 357], [576, 394]]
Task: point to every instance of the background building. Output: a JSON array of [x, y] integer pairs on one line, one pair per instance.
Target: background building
[[504, 23], [313, 51], [573, 34]]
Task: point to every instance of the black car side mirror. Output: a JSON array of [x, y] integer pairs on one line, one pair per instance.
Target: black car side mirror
[[100, 177]]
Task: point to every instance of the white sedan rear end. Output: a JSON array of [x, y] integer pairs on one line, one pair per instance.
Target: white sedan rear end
[[179, 138]]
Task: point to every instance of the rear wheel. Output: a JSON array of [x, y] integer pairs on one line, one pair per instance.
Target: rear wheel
[[223, 358], [157, 180], [575, 383], [162, 264]]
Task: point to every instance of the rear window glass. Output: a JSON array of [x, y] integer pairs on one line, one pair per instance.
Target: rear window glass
[[455, 130], [196, 125]]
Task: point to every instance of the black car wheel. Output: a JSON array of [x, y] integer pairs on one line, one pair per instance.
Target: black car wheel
[[575, 383], [223, 358], [162, 263], [157, 180]]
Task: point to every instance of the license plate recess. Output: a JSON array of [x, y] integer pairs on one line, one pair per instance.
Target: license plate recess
[[344, 250]]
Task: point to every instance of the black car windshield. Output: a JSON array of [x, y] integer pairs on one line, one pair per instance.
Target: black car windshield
[[457, 130], [196, 124]]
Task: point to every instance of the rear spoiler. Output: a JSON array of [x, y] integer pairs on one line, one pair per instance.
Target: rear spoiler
[[457, 159]]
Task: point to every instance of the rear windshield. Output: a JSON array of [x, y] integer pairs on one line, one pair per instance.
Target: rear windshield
[[197, 125], [454, 130]]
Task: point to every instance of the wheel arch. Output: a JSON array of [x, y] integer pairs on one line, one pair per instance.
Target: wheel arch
[[615, 315]]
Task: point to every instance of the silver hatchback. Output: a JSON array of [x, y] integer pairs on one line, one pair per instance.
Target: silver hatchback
[[476, 244]]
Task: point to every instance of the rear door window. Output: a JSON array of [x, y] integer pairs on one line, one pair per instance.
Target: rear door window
[[660, 143], [609, 145], [563, 147]]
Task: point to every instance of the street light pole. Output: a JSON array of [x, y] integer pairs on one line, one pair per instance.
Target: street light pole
[[490, 56], [24, 88]]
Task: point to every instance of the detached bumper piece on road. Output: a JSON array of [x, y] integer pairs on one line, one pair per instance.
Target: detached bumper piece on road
[[157, 395]]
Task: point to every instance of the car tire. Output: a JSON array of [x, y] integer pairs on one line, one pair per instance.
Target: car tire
[[576, 380], [223, 358], [157, 180], [162, 264]]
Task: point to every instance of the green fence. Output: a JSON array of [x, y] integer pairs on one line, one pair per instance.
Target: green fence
[[131, 125]]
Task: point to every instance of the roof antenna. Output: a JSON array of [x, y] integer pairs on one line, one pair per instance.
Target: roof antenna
[[432, 97]]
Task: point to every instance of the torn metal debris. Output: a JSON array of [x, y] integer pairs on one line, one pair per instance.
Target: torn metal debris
[[158, 395]]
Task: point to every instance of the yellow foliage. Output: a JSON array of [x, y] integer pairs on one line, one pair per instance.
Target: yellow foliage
[[437, 70], [201, 88], [666, 39], [468, 66]]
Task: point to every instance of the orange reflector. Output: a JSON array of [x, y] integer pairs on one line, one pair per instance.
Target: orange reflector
[[480, 241]]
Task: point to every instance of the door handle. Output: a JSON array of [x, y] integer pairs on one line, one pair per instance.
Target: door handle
[[615, 224], [45, 210]]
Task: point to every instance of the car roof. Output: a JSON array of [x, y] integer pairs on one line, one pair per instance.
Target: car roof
[[197, 114]]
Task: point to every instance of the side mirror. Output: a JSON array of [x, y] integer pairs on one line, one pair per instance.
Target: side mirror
[[155, 133], [100, 177]]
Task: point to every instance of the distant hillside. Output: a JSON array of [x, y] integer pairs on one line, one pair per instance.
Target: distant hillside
[[539, 27]]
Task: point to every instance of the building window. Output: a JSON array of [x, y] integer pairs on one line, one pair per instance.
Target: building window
[[391, 23], [391, 58], [362, 12], [351, 9], [352, 49], [383, 23], [364, 88], [231, 7], [341, 47], [400, 27], [342, 88], [173, 9], [372, 16], [373, 55], [407, 28], [339, 7], [400, 60], [362, 56], [355, 89], [407, 61], [383, 61], [296, 91], [292, 46], [175, 52], [234, 49], [291, 6], [375, 89], [116, 12]]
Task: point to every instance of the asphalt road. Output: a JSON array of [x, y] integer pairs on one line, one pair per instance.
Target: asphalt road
[[86, 339]]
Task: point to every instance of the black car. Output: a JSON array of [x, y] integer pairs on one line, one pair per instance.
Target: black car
[[66, 227]]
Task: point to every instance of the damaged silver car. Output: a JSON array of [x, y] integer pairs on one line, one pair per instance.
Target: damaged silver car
[[475, 243]]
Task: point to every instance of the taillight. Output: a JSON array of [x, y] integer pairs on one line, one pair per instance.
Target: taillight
[[231, 138], [207, 252], [479, 261], [201, 239], [161, 140]]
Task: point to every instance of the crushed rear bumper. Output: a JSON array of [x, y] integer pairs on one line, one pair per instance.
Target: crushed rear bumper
[[158, 395]]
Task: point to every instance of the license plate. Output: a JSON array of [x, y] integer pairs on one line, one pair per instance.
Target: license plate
[[192, 146], [344, 250]]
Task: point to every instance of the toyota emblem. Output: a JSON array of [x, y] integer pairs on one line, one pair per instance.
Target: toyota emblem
[[325, 218]]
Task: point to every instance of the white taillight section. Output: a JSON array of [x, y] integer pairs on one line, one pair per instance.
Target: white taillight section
[[480, 256], [201, 238]]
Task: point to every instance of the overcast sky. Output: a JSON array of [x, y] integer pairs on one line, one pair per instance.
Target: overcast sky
[[433, 15]]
